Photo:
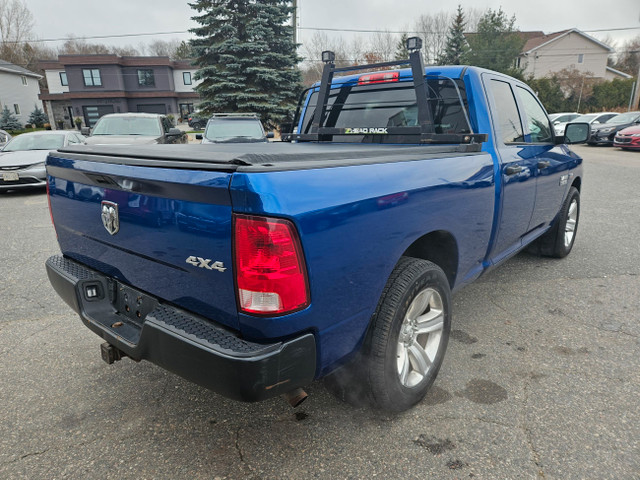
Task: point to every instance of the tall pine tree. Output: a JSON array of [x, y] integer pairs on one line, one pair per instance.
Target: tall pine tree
[[246, 57], [456, 48], [497, 43]]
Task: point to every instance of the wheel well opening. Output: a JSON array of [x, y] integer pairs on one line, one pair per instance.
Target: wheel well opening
[[440, 248], [577, 183]]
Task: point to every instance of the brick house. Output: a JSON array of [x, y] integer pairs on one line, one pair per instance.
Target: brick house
[[19, 90], [89, 86]]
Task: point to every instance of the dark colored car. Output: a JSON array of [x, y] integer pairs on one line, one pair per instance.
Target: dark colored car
[[135, 129], [197, 121], [628, 138], [234, 128], [604, 133]]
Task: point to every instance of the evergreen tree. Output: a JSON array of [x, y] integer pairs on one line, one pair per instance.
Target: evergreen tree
[[456, 48], [8, 121], [246, 57], [38, 117], [402, 53], [497, 44]]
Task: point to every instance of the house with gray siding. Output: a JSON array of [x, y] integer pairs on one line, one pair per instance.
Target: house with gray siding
[[89, 86], [546, 54], [19, 90]]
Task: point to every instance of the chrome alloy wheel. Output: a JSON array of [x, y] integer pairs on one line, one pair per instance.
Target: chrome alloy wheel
[[420, 337], [572, 220]]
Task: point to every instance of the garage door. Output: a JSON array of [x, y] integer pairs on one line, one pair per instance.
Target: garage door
[[153, 108]]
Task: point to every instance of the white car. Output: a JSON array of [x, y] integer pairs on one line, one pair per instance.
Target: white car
[[22, 158], [560, 120], [595, 118]]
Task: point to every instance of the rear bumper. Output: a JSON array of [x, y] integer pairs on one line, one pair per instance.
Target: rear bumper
[[183, 343]]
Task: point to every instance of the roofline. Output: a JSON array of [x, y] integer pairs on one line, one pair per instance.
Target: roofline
[[573, 30], [111, 59], [26, 73], [618, 72]]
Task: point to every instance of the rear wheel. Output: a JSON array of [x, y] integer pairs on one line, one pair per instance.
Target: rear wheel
[[406, 341]]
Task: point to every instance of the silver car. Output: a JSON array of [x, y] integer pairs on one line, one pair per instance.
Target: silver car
[[22, 158], [4, 138]]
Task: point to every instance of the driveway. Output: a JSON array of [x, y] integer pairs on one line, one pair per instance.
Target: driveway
[[541, 380]]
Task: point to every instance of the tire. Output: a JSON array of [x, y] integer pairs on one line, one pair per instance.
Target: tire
[[559, 241], [401, 355]]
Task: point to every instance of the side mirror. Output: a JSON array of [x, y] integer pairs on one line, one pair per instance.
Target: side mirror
[[198, 136], [576, 133], [270, 135], [86, 131], [556, 122], [174, 132]]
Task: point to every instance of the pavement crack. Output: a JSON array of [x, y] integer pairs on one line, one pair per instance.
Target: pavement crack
[[238, 445], [26, 455]]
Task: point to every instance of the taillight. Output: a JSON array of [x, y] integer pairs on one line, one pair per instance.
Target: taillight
[[271, 277], [379, 78]]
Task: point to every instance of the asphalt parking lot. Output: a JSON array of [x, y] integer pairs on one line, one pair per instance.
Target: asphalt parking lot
[[541, 379]]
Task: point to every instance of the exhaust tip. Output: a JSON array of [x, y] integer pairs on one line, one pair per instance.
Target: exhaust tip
[[296, 397]]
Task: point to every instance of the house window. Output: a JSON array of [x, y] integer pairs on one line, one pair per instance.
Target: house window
[[145, 78], [16, 108], [580, 57], [63, 79], [24, 80], [91, 77], [186, 78]]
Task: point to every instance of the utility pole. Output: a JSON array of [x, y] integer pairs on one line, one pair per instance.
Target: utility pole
[[636, 97], [295, 22]]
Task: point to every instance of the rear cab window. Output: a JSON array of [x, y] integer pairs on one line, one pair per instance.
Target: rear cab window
[[391, 104]]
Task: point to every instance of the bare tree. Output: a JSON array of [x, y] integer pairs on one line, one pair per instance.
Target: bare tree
[[16, 24], [433, 29], [79, 46], [384, 45]]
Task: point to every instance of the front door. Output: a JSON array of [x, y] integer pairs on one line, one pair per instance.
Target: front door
[[517, 183], [551, 162]]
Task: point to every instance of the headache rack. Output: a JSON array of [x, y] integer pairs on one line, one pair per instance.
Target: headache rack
[[421, 133]]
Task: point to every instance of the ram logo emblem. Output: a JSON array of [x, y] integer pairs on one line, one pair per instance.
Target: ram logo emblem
[[110, 218]]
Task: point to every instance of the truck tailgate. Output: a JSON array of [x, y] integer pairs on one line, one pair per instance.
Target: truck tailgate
[[166, 231]]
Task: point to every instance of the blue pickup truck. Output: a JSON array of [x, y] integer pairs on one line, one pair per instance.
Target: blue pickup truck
[[331, 254]]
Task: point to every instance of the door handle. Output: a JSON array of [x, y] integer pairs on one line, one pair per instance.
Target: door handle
[[513, 169], [544, 164]]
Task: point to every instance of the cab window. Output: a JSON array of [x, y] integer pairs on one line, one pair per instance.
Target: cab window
[[508, 123], [537, 121]]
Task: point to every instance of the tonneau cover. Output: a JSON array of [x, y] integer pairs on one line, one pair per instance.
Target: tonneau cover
[[272, 154]]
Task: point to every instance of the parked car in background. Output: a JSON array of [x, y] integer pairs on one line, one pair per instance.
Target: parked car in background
[[560, 120], [197, 120], [234, 128], [22, 158], [4, 138], [590, 118], [605, 133], [628, 138], [134, 129]]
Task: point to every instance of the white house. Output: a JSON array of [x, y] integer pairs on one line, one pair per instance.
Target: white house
[[544, 55], [19, 90]]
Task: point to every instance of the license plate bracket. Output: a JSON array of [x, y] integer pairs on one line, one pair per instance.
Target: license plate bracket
[[132, 303]]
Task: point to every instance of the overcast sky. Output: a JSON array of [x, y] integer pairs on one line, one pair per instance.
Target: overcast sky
[[56, 19]]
